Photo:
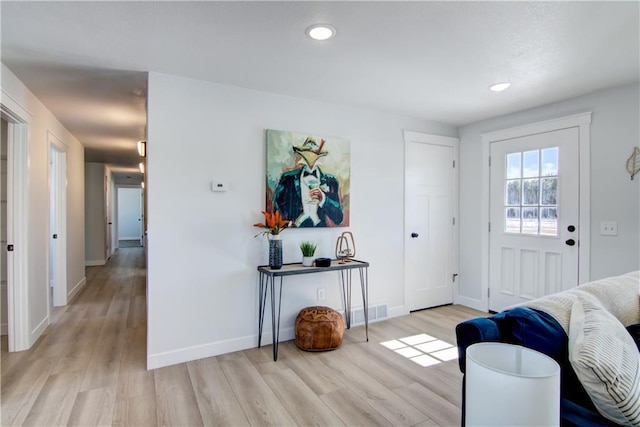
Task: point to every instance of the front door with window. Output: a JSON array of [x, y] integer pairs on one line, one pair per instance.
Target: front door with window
[[534, 188]]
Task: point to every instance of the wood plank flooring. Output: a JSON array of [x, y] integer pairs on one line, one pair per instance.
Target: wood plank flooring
[[89, 369]]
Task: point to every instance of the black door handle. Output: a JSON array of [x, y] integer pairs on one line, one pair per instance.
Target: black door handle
[[570, 242], [55, 236], [571, 228], [414, 235]]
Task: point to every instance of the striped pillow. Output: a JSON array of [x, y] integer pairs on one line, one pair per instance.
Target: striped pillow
[[606, 360]]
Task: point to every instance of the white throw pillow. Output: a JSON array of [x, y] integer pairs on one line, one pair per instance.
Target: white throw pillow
[[606, 360]]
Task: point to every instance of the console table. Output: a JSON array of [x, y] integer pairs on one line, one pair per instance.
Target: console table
[[268, 281]]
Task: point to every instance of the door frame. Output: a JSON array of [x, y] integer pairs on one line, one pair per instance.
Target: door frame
[[583, 122], [454, 143], [60, 206], [18, 120]]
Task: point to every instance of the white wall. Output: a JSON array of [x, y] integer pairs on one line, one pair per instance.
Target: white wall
[[129, 213], [75, 219], [42, 121], [202, 256], [95, 214], [614, 197]]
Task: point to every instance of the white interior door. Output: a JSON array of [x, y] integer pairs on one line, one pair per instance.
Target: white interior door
[[107, 216], [431, 196], [129, 213], [20, 336], [142, 216], [4, 315], [534, 216], [57, 222]]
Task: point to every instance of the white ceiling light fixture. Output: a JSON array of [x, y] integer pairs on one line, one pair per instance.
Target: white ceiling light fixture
[[499, 87], [321, 32]]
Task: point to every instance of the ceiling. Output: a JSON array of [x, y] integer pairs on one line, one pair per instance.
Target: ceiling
[[88, 61]]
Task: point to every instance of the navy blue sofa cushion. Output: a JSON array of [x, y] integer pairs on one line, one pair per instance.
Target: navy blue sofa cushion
[[521, 325]]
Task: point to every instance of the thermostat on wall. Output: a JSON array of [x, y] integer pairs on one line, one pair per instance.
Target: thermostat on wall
[[219, 186]]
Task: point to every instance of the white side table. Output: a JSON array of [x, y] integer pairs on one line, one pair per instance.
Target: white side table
[[510, 385]]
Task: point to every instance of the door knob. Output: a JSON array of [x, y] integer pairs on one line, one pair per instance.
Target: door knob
[[414, 235], [570, 242], [571, 228]]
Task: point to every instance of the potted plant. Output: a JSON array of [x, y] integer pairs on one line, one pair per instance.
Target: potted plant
[[272, 226], [308, 250]]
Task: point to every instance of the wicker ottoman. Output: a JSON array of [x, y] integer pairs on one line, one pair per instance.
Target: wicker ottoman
[[319, 329]]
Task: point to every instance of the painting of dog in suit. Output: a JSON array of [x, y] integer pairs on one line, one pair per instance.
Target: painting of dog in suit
[[308, 178]]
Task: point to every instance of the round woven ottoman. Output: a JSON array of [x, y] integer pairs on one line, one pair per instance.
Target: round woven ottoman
[[319, 329]]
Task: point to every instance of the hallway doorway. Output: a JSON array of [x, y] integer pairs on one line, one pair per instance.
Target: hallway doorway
[[57, 222], [129, 225], [15, 124]]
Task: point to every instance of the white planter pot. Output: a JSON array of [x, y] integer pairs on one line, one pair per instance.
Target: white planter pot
[[307, 261]]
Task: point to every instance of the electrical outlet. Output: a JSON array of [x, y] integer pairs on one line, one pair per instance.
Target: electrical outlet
[[320, 294], [219, 186], [609, 228]]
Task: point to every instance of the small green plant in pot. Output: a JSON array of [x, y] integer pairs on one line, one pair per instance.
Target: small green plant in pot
[[308, 250]]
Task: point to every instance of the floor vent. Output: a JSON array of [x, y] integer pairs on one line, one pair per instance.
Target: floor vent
[[376, 312]]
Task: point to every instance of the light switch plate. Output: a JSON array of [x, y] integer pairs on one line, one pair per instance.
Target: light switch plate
[[609, 228]]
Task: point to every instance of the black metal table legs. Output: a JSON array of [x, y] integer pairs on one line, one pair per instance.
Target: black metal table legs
[[268, 289]]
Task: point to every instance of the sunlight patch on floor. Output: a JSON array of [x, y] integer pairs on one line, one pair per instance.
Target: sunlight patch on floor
[[423, 349]]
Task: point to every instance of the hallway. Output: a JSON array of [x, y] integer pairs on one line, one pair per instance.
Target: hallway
[[89, 367]]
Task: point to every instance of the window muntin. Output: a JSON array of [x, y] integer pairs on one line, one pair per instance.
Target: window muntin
[[531, 192]]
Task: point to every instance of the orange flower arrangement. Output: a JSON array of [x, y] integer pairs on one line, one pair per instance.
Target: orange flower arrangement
[[273, 223]]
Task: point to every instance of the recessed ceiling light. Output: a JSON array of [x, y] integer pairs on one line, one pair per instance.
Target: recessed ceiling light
[[321, 31], [499, 87]]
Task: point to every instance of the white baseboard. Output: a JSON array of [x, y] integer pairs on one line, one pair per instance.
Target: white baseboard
[[174, 357], [160, 360], [94, 262], [129, 238], [471, 302], [38, 330], [76, 289], [400, 310]]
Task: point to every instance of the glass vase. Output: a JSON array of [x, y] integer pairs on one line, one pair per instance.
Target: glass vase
[[275, 252]]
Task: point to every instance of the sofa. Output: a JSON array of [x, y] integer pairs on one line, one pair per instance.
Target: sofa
[[567, 326]]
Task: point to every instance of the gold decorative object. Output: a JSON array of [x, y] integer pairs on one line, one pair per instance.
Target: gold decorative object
[[345, 247], [633, 162]]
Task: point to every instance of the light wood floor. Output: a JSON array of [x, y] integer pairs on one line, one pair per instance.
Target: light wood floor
[[89, 369]]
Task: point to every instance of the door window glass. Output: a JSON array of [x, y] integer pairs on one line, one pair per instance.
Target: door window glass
[[531, 192]]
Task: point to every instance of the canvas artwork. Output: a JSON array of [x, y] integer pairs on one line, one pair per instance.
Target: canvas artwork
[[308, 178]]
